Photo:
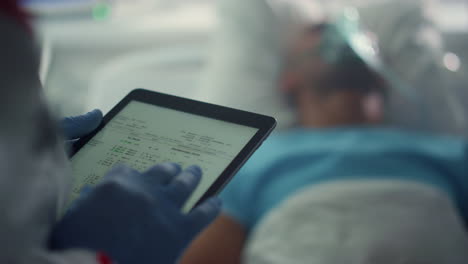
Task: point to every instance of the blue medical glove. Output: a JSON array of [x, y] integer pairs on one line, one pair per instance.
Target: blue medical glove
[[76, 127], [79, 126], [136, 217]]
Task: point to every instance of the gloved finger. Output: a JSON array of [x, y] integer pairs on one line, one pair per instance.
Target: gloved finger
[[84, 192], [202, 215], [148, 181], [127, 178], [180, 189], [121, 171], [79, 126], [161, 174]]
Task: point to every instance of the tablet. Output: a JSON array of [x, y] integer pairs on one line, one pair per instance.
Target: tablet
[[147, 128]]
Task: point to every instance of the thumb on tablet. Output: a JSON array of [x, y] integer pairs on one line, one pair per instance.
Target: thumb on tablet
[[79, 126]]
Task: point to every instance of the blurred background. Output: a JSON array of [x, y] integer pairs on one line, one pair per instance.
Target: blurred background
[[94, 52], [224, 51]]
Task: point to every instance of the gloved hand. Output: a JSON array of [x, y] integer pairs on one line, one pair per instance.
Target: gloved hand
[[76, 127], [136, 217], [79, 126]]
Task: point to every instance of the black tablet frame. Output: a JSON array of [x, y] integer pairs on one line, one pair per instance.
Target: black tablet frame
[[265, 125]]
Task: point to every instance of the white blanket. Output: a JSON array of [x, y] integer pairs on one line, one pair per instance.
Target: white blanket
[[365, 222]]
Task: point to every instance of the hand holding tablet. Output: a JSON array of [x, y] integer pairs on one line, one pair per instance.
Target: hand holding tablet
[[147, 128], [135, 217], [140, 213]]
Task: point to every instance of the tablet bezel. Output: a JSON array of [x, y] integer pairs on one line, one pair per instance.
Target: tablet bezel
[[265, 125]]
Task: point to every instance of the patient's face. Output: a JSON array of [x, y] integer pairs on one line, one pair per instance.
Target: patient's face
[[303, 79], [303, 65]]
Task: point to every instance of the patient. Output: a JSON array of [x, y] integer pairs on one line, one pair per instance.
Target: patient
[[342, 187]]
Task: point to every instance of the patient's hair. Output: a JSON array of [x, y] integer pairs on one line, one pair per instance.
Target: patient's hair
[[349, 73]]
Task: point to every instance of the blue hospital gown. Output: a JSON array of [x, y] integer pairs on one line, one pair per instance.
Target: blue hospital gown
[[290, 161]]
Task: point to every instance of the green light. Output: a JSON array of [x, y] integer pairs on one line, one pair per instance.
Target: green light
[[101, 11]]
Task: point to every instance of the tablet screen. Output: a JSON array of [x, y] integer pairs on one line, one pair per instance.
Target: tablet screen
[[142, 135]]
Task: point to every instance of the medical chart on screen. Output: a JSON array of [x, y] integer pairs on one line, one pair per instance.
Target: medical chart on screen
[[142, 135]]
